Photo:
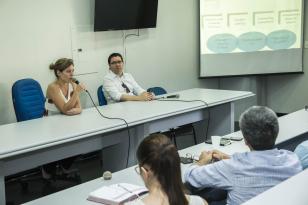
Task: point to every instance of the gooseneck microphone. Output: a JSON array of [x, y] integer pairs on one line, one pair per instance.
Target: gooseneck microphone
[[168, 97], [77, 82], [173, 96]]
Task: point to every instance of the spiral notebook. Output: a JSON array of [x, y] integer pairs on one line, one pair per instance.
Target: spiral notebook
[[117, 193]]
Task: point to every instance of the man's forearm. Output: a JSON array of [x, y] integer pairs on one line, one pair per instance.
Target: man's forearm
[[129, 98]]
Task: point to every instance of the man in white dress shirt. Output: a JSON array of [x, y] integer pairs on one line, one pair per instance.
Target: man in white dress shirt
[[120, 86]]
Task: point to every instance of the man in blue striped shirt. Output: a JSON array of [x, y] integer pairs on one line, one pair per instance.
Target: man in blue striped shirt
[[245, 175]]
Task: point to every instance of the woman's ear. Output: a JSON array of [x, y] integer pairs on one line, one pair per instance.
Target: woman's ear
[[144, 173]]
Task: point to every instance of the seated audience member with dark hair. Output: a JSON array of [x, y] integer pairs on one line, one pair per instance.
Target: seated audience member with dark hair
[[120, 86], [245, 175], [159, 167]]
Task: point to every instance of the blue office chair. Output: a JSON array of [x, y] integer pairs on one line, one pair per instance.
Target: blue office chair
[[28, 99], [174, 132], [101, 97], [157, 90], [29, 103]]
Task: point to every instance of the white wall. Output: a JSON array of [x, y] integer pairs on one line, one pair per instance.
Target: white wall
[[35, 33]]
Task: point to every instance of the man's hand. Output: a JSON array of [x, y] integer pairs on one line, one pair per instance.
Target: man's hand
[[146, 96], [218, 155], [205, 158]]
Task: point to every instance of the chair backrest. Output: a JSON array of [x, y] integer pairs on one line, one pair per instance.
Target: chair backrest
[[28, 99], [101, 97], [157, 90]]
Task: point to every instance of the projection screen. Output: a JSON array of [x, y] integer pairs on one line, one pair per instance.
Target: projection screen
[[250, 37]]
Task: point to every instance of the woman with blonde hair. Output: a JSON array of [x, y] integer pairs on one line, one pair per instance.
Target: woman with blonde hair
[[63, 94]]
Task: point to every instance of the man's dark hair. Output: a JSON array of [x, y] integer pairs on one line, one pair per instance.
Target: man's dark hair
[[114, 55], [260, 127]]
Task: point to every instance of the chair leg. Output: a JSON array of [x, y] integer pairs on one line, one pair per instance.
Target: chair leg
[[24, 187], [174, 137], [194, 133]]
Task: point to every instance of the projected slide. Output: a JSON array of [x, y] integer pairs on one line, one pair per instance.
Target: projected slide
[[235, 26], [250, 37]]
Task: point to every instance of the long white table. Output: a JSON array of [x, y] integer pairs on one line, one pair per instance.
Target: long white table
[[291, 126], [29, 144], [77, 195]]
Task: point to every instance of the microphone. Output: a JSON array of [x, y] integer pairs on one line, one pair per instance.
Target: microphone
[[168, 97], [77, 82], [107, 175], [173, 96]]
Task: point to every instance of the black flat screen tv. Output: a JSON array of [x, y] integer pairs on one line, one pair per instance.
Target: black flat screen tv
[[125, 14]]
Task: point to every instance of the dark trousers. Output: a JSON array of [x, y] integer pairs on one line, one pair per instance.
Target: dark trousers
[[51, 168]]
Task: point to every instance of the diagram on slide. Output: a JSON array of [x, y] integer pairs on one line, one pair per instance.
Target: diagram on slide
[[231, 26]]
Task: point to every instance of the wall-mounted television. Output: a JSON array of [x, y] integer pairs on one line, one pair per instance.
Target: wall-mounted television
[[125, 14]]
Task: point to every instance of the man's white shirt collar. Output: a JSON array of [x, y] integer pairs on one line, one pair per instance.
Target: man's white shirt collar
[[113, 75]]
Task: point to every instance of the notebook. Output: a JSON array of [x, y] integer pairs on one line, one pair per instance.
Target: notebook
[[117, 193]]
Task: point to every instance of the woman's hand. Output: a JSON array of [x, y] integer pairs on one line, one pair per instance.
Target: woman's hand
[[74, 111], [79, 87]]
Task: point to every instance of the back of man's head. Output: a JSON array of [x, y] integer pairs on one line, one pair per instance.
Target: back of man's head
[[260, 128]]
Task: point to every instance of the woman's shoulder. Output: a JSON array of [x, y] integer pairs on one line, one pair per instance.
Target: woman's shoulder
[[52, 86], [195, 200], [192, 200]]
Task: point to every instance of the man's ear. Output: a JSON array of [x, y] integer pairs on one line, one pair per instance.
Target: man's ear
[[246, 143]]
